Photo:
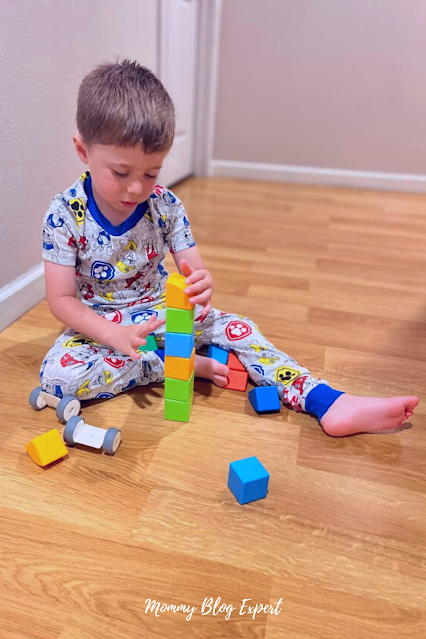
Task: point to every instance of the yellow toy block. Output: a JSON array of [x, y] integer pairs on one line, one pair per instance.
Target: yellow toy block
[[46, 448], [175, 296], [179, 367]]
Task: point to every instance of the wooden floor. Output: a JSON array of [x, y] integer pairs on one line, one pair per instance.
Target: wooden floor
[[336, 278]]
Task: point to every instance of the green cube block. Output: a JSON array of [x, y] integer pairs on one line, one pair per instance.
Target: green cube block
[[177, 411], [179, 389], [179, 320], [151, 344]]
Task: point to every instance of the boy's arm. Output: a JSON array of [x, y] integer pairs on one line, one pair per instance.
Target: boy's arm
[[200, 291], [60, 293]]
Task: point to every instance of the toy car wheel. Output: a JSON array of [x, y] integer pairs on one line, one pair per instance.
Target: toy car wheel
[[68, 407], [70, 428], [112, 440], [36, 399]]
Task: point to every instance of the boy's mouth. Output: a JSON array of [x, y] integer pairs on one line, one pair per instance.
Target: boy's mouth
[[129, 204]]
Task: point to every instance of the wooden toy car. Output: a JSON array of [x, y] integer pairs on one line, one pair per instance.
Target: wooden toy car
[[66, 407], [76, 431]]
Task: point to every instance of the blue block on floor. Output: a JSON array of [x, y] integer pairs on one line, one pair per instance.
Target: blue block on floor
[[160, 353], [179, 344], [265, 399], [248, 480], [218, 353]]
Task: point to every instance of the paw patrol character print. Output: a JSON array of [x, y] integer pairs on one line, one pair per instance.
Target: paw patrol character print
[[264, 355], [103, 243], [102, 271], [142, 316], [57, 387], [128, 259], [148, 219], [150, 245], [78, 207], [49, 241], [286, 375], [108, 291], [77, 341], [237, 329], [85, 290]]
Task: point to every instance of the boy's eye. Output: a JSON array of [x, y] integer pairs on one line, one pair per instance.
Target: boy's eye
[[151, 177], [123, 175]]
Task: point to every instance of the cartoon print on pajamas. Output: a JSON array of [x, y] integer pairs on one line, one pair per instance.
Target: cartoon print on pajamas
[[103, 243], [127, 261]]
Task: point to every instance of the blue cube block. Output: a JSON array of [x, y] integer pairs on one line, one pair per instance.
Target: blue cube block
[[160, 353], [265, 399], [218, 353], [248, 480], [179, 344]]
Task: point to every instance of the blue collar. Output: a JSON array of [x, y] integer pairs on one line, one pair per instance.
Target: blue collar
[[128, 224]]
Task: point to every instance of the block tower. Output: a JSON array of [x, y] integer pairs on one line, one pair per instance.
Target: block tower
[[179, 356]]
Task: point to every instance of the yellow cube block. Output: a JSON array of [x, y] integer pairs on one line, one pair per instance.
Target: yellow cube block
[[175, 296], [46, 448], [179, 367]]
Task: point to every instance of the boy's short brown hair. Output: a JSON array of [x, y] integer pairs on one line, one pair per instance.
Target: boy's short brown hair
[[124, 104]]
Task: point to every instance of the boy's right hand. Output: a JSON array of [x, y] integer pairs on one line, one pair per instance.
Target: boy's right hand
[[127, 339]]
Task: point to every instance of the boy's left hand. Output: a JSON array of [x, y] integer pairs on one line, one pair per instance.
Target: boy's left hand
[[200, 290]]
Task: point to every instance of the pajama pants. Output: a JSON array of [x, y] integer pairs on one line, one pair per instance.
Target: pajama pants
[[76, 365]]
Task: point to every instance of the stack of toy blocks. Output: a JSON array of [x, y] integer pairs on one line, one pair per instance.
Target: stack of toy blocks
[[179, 354]]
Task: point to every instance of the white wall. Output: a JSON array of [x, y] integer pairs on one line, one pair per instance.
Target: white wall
[[45, 49], [336, 85]]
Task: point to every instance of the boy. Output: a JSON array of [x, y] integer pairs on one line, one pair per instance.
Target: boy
[[104, 242]]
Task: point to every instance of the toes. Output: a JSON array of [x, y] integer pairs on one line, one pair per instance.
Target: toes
[[220, 380]]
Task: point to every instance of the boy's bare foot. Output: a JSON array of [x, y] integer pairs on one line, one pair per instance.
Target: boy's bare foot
[[352, 414], [210, 368]]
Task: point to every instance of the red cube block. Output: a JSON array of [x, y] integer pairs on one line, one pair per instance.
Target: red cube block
[[234, 363], [237, 380]]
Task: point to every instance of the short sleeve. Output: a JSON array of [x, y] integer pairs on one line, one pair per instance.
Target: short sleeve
[[59, 235], [177, 232]]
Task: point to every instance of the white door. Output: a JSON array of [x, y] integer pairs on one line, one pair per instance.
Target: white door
[[178, 68]]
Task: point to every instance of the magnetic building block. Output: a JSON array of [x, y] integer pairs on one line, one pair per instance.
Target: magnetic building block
[[220, 354], [179, 367], [151, 344], [179, 320], [179, 389], [265, 399], [248, 480], [179, 344], [237, 380], [234, 363], [46, 448], [175, 295], [177, 411]]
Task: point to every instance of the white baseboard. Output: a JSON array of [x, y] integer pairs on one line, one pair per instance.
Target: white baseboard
[[313, 175], [20, 295]]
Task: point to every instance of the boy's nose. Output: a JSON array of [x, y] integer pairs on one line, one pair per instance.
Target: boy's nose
[[135, 188]]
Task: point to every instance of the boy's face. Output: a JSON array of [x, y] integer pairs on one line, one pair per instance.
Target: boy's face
[[122, 177]]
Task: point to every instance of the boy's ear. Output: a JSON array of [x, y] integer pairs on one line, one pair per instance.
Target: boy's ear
[[81, 148]]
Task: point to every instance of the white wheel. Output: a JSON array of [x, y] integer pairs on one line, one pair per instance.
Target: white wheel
[[112, 440], [67, 408], [71, 428], [36, 399]]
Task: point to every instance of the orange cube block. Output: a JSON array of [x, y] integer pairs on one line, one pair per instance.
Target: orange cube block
[[234, 363], [179, 367], [175, 296], [237, 380]]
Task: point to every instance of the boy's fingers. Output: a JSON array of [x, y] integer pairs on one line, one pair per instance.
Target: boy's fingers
[[195, 276], [198, 287], [202, 298], [185, 268]]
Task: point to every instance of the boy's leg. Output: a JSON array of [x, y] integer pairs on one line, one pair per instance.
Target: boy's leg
[[75, 365], [339, 414], [265, 364]]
